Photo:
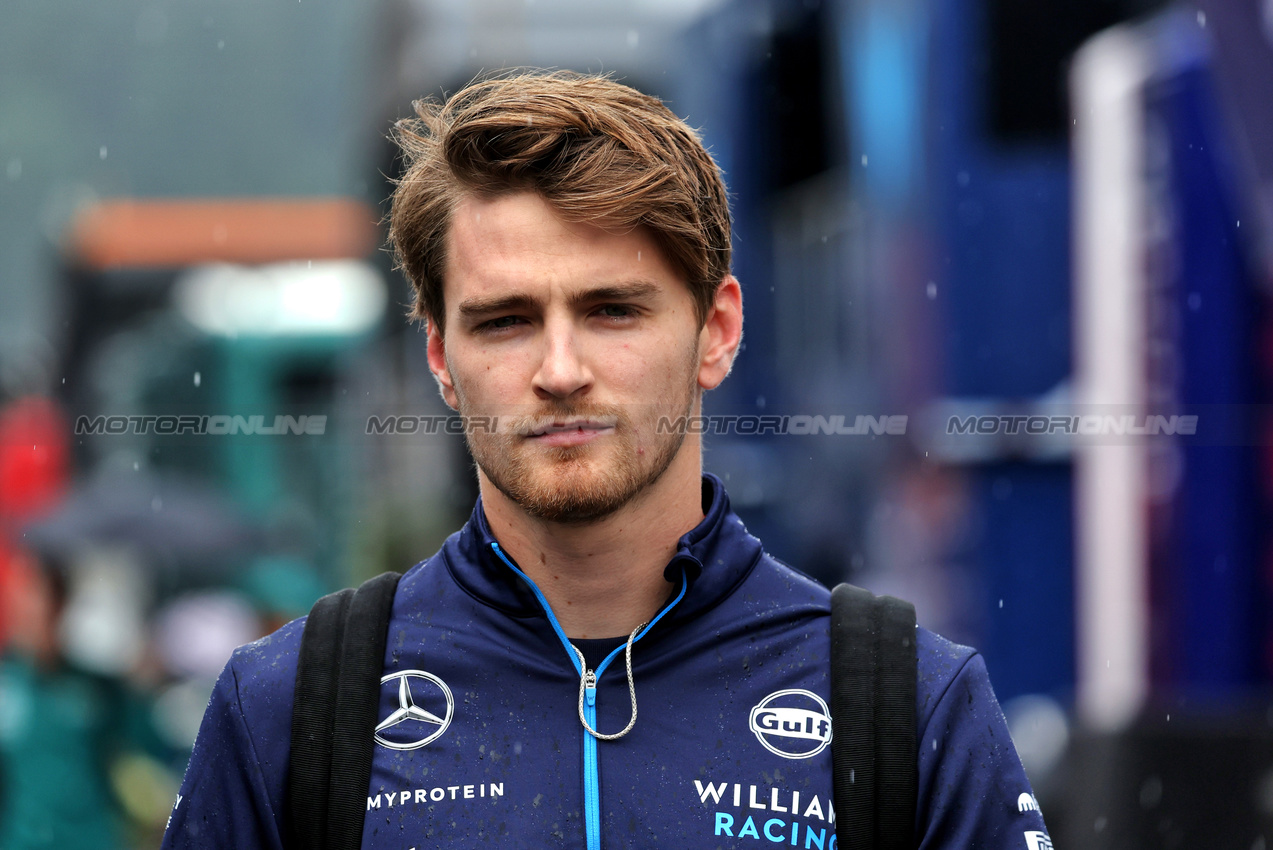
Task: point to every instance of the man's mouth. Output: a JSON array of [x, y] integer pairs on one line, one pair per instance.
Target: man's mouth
[[561, 426], [568, 432]]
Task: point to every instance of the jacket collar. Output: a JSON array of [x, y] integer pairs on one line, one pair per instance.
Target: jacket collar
[[715, 556]]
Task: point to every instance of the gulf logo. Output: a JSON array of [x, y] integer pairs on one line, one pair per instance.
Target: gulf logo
[[794, 723]]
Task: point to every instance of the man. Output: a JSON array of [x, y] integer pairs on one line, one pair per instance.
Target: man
[[60, 725], [568, 240]]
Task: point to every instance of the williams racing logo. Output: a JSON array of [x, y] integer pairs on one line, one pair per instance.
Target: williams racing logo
[[793, 723], [423, 709]]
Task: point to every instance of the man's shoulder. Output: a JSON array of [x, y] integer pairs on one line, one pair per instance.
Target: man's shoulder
[[939, 657], [941, 662], [282, 641], [947, 670], [788, 582], [265, 669]]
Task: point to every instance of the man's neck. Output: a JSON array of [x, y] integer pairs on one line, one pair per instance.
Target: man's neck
[[603, 578]]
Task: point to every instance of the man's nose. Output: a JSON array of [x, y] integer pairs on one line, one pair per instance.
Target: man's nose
[[562, 372]]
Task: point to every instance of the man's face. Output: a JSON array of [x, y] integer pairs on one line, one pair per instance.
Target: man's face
[[577, 340]]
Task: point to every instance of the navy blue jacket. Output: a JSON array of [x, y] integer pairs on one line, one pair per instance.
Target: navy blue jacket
[[482, 743]]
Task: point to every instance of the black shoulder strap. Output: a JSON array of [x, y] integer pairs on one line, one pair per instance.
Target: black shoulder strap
[[340, 665], [873, 747]]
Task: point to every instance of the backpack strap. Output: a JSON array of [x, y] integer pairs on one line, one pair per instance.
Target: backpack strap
[[340, 664], [873, 718]]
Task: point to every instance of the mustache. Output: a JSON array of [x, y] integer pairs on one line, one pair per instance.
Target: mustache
[[564, 417]]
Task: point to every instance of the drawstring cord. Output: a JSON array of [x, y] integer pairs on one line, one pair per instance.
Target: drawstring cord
[[588, 679]]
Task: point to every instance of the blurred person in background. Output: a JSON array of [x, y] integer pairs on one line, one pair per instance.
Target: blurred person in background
[[81, 763], [569, 242], [34, 468], [57, 725]]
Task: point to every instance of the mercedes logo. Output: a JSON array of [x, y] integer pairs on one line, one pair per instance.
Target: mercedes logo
[[414, 725]]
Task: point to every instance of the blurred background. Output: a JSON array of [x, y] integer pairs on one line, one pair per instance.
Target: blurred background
[[967, 213]]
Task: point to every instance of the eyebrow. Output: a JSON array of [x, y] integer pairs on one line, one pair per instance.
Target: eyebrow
[[628, 290], [477, 307]]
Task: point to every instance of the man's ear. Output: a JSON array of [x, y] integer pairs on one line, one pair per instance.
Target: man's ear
[[438, 365], [721, 334]]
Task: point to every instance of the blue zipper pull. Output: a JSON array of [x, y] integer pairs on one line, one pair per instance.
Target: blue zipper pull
[[590, 688]]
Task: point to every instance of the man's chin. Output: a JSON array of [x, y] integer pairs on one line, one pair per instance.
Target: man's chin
[[567, 494], [573, 511]]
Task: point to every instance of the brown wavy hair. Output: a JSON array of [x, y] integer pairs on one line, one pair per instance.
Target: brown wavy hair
[[596, 150]]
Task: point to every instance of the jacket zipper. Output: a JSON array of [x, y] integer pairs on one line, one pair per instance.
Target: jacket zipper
[[591, 772], [591, 768]]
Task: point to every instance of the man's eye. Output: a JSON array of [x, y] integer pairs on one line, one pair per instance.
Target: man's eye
[[499, 323], [616, 311]]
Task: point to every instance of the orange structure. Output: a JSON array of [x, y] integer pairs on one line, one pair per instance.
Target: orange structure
[[139, 234]]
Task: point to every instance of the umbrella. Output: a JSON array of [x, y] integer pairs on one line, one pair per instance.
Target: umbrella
[[166, 517]]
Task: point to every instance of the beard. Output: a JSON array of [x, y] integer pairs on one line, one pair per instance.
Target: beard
[[580, 484]]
